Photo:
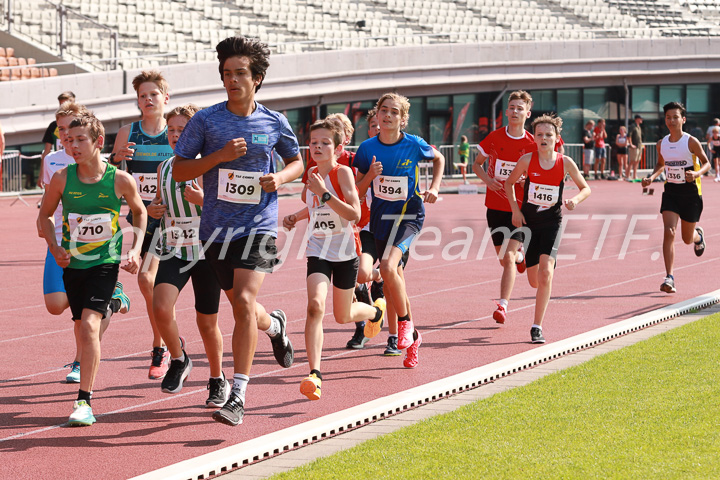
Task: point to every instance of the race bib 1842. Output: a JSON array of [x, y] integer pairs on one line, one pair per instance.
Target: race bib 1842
[[236, 186]]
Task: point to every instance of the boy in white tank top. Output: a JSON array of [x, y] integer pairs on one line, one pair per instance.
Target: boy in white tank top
[[684, 161], [333, 250]]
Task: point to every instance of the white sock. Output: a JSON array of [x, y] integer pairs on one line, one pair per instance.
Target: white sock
[[240, 382], [274, 327], [503, 303], [520, 257], [221, 377], [181, 358], [392, 335], [537, 326]]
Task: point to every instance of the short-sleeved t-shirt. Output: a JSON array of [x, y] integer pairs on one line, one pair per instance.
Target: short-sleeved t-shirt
[[503, 151], [599, 138], [396, 191], [636, 135], [244, 208], [51, 135]]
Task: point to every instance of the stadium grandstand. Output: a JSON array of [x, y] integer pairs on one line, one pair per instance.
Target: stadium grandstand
[[456, 60]]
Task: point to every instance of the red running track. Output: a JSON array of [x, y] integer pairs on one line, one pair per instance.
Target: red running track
[[141, 429]]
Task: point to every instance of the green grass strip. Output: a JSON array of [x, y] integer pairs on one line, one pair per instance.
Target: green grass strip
[[651, 410]]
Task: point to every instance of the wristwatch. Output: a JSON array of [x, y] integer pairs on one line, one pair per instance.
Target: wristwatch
[[325, 197]]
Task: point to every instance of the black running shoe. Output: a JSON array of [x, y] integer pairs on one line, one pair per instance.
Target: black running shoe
[[358, 339], [282, 348], [176, 375], [232, 412], [376, 290], [668, 285], [362, 294], [536, 335], [700, 247], [219, 391]]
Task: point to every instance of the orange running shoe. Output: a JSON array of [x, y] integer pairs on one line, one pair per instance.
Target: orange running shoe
[[310, 387], [372, 328]]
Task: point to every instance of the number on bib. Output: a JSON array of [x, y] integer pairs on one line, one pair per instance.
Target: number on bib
[[675, 174], [147, 185], [325, 221], [236, 186], [90, 228], [503, 169], [543, 195], [183, 232], [392, 189]]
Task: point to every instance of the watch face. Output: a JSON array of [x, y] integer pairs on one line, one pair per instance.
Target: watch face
[[326, 197]]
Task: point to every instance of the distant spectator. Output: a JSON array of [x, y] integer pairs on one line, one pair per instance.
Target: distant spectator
[[696, 131], [708, 134], [588, 148], [621, 148], [714, 146], [599, 135], [463, 153], [51, 138], [636, 146]]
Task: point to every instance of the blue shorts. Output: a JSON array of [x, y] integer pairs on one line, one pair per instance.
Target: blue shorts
[[404, 236], [52, 276]]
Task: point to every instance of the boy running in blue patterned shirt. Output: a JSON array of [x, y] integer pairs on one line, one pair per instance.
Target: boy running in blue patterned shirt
[[144, 145], [236, 139], [91, 192]]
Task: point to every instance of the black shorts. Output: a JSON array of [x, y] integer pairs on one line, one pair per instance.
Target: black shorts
[[463, 159], [90, 288], [367, 240], [177, 272], [152, 235], [343, 274], [404, 236], [502, 220], [689, 207], [622, 150], [543, 241], [254, 252]]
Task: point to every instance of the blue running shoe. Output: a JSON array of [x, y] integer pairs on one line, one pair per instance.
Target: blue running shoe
[[120, 295], [74, 375], [82, 415]]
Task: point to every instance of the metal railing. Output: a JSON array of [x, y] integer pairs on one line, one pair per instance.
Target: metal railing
[[11, 171]]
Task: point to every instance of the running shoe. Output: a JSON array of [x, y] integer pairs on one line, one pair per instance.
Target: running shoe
[[232, 412], [362, 294], [119, 294], [282, 347], [668, 286], [392, 349], [500, 314], [373, 327], [411, 354], [82, 415], [219, 391], [159, 363], [536, 335], [310, 387], [358, 339], [521, 265], [176, 374], [377, 289], [405, 336], [74, 375], [700, 247]]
